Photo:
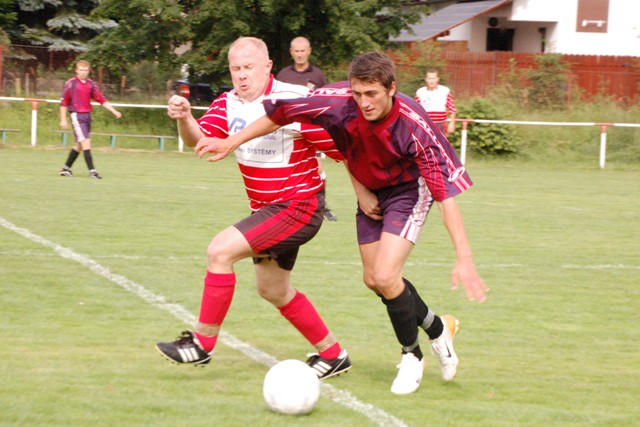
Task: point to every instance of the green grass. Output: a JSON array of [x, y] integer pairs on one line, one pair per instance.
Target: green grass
[[555, 344]]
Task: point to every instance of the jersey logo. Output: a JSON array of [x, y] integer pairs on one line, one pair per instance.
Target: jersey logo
[[237, 125], [456, 174]]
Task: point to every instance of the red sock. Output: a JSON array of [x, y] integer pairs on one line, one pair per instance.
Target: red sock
[[216, 300], [306, 319], [332, 352], [208, 343]]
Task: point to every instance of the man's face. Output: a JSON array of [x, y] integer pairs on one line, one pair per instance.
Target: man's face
[[432, 80], [250, 70], [374, 100], [300, 53], [82, 72]]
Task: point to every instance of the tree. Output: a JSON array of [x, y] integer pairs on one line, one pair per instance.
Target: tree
[[148, 30], [154, 29], [61, 25]]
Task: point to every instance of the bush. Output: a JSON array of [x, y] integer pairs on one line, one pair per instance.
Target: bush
[[488, 139]]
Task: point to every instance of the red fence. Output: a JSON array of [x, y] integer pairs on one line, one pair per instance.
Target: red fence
[[614, 76]]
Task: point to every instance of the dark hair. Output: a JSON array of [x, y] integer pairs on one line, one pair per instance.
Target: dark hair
[[373, 67]]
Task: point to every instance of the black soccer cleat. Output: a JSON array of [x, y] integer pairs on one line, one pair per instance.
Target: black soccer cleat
[[94, 174], [187, 349], [326, 368]]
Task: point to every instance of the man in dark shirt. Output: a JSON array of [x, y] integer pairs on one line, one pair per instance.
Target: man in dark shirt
[[399, 166], [301, 72]]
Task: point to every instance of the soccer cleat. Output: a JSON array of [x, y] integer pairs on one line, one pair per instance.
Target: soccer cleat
[[442, 347], [326, 368], [328, 215], [65, 172], [410, 372], [187, 349], [94, 174]]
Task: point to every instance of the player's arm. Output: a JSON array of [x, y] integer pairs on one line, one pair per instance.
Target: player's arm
[[451, 108], [367, 200], [179, 109], [221, 148], [111, 109], [63, 116], [464, 270]]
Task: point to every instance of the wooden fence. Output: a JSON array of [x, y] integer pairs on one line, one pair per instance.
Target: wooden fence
[[617, 77]]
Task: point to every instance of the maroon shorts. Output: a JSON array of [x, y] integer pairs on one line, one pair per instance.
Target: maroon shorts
[[404, 210], [278, 230], [81, 124]]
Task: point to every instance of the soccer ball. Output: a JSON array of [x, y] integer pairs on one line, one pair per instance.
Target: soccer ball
[[291, 387]]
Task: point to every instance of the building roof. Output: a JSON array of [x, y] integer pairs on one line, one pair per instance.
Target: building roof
[[447, 18]]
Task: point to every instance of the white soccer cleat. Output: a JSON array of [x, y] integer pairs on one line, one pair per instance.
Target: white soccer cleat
[[442, 347], [409, 374]]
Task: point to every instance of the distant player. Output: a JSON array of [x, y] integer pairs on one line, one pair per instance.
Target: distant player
[[437, 101], [76, 98]]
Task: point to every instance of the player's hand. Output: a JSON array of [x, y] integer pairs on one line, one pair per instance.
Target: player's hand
[[464, 272], [178, 107], [64, 124], [368, 203], [451, 128], [220, 148], [118, 114]]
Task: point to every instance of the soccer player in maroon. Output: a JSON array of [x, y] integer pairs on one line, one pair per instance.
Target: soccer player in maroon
[[398, 166], [76, 98], [281, 177]]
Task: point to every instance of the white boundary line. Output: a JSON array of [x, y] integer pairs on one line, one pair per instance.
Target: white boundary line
[[341, 397]]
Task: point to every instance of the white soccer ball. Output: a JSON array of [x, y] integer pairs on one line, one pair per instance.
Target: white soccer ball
[[291, 387]]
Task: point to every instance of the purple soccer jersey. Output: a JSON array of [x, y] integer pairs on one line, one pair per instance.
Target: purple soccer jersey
[[395, 150]]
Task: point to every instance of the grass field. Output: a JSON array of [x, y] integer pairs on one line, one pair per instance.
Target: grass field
[[93, 273]]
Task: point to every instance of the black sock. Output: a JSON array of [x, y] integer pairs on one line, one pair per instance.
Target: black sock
[[73, 155], [88, 159], [426, 318], [402, 314], [421, 308]]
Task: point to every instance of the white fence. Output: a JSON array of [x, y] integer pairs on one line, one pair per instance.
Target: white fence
[[463, 142]]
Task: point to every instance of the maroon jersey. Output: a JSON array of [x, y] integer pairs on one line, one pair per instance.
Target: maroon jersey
[[77, 95], [398, 149]]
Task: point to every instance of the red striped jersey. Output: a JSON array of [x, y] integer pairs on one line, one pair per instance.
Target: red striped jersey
[[77, 95], [277, 167], [398, 149], [436, 102]]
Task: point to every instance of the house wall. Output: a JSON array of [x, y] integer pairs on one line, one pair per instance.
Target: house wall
[[559, 17]]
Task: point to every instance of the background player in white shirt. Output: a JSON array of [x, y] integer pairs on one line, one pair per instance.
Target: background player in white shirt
[[437, 102]]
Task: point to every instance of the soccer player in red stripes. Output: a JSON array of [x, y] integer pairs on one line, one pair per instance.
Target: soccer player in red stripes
[[399, 165], [437, 102], [76, 98], [280, 173]]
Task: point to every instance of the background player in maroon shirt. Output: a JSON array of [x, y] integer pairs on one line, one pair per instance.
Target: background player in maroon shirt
[[302, 72], [285, 191], [76, 98], [399, 166]]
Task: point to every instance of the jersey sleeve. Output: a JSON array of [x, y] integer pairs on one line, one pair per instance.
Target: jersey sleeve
[[66, 94], [213, 122], [320, 140], [97, 94]]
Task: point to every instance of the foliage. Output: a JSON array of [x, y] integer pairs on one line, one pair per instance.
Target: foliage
[[338, 30], [413, 62], [487, 139], [548, 82], [8, 16], [148, 30], [62, 25]]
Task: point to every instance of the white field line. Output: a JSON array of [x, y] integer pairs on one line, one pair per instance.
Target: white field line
[[32, 253], [342, 397]]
